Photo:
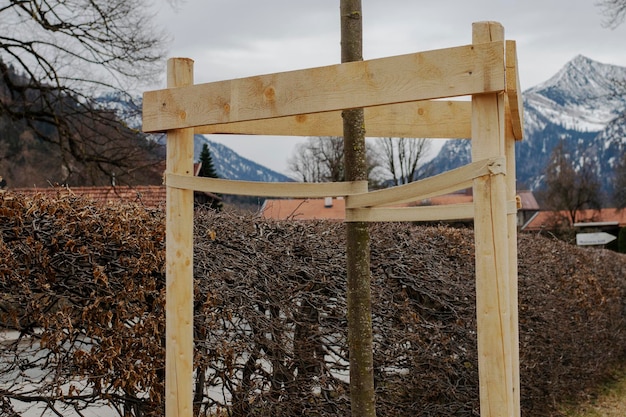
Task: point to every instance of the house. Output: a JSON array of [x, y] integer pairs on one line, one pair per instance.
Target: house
[[334, 208], [152, 196], [603, 218]]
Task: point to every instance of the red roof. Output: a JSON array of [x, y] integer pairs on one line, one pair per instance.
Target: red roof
[[546, 219], [146, 195], [527, 199], [315, 208]]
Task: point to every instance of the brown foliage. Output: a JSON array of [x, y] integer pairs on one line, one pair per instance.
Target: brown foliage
[[84, 287]]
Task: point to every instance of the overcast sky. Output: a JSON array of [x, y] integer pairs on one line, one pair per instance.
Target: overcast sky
[[238, 38]]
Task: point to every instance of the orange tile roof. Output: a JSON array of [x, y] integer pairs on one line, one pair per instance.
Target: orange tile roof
[[314, 208], [545, 219], [527, 199], [147, 195]]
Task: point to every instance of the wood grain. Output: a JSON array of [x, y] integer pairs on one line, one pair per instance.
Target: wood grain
[[442, 73]]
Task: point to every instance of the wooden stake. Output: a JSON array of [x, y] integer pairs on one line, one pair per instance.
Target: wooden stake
[[179, 261], [492, 249], [513, 132]]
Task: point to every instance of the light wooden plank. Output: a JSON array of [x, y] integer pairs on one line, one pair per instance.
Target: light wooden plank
[[511, 192], [179, 262], [411, 214], [427, 75], [421, 119], [513, 91], [491, 249], [447, 182], [463, 211], [265, 189]]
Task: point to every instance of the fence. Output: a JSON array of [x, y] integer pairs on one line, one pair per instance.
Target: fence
[[403, 96]]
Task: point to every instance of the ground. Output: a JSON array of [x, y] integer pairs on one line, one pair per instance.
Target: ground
[[610, 401]]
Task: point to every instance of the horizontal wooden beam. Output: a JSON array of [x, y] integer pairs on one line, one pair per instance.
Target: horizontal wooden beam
[[462, 211], [447, 182], [412, 214], [265, 189], [451, 72], [421, 119]]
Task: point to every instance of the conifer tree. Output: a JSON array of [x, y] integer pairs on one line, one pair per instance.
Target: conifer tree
[[207, 170]]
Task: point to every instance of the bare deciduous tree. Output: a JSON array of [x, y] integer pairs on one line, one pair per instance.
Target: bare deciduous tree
[[55, 56], [319, 159], [570, 187], [614, 11], [402, 158]]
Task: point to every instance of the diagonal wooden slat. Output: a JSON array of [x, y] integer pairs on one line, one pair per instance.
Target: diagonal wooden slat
[[450, 181]]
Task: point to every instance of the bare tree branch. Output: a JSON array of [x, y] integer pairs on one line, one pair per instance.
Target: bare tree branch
[[614, 12]]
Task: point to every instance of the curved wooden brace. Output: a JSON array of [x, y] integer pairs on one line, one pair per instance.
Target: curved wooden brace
[[447, 182], [265, 189]]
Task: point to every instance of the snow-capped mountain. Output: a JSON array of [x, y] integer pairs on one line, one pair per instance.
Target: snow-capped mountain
[[583, 105], [584, 96], [230, 165]]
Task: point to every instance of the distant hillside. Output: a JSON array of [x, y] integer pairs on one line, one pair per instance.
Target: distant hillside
[[53, 138], [109, 146]]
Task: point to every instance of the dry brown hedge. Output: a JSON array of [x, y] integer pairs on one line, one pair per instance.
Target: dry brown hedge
[[270, 313]]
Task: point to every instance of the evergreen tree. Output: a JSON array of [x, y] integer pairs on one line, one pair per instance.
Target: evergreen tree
[[207, 170]]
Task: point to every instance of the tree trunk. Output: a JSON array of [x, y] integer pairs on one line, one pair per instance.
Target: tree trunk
[[362, 398]]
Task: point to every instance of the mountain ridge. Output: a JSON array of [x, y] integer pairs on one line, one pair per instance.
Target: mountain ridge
[[583, 105]]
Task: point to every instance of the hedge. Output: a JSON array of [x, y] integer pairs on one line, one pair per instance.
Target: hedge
[[83, 292]]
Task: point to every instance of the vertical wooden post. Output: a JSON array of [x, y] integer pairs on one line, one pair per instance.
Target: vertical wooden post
[[511, 192], [492, 248], [179, 261]]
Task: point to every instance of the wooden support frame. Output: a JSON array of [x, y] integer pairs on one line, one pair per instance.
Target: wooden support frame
[[402, 97]]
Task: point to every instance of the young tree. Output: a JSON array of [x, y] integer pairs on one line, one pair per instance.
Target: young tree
[[56, 55], [402, 158], [570, 187], [358, 296]]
